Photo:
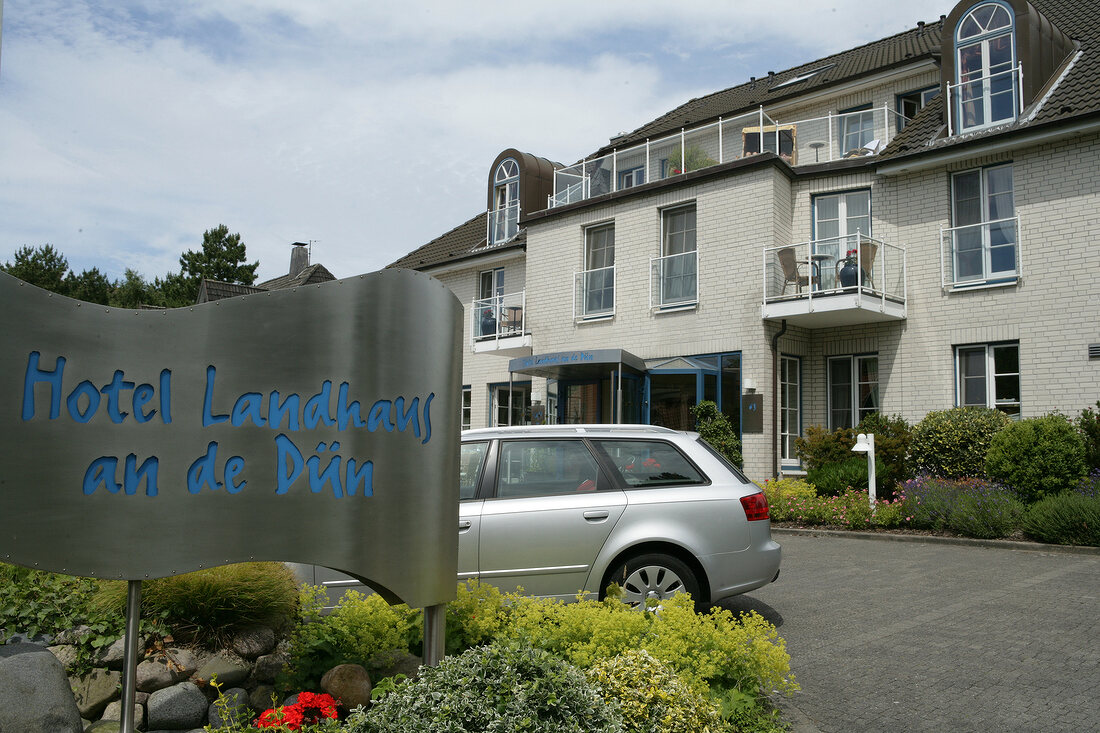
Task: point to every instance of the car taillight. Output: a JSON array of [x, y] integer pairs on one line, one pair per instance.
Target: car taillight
[[756, 506]]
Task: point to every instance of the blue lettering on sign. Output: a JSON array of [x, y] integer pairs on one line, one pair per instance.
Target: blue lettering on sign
[[142, 395]]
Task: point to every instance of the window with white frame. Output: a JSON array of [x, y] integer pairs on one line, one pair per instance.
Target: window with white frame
[[912, 102], [985, 71], [988, 375], [852, 389], [983, 238], [598, 296], [490, 302], [838, 218], [631, 177], [512, 407], [678, 264], [504, 218], [467, 407], [790, 407], [857, 128]]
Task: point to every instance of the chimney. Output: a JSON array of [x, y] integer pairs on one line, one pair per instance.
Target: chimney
[[299, 258]]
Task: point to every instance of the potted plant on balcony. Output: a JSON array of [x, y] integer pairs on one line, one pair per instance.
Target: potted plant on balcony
[[848, 269], [694, 159], [488, 322]]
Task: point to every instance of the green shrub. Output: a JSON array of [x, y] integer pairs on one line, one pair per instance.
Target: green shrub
[[214, 602], [892, 437], [475, 616], [784, 495], [833, 479], [715, 428], [953, 443], [1088, 422], [819, 448], [972, 507], [1037, 457], [494, 688], [1069, 518], [650, 696], [34, 602], [362, 629]]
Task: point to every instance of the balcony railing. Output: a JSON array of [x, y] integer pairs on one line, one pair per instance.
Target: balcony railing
[[673, 280], [594, 293], [980, 253], [499, 317], [985, 101], [818, 140], [853, 264], [503, 224]]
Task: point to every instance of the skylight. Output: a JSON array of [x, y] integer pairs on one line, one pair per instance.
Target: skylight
[[802, 77]]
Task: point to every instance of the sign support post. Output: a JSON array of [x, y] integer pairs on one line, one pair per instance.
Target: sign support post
[[130, 655], [435, 633]]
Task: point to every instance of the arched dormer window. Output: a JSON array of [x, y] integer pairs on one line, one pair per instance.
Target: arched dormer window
[[504, 218], [986, 89]]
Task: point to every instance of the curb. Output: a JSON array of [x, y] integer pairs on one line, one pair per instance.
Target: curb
[[936, 539]]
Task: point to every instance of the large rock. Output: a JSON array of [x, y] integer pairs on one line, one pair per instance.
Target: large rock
[[104, 726], [229, 671], [254, 641], [113, 656], [260, 698], [348, 683], [268, 666], [94, 690], [65, 653], [178, 707], [114, 712], [230, 709], [155, 674], [35, 695]]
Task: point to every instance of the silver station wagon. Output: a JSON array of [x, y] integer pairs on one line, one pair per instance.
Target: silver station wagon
[[560, 509]]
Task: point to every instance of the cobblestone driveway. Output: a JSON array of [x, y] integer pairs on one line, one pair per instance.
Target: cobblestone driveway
[[924, 636]]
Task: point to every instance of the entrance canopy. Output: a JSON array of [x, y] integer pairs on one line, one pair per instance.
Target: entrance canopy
[[576, 365]]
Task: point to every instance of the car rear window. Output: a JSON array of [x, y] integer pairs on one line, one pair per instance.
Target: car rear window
[[714, 452], [650, 463], [470, 464]]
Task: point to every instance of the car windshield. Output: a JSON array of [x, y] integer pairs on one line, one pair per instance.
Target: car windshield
[[736, 471]]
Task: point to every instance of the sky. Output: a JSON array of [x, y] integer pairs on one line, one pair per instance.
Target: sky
[[129, 127]]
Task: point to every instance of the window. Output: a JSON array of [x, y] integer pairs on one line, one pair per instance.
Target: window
[[490, 302], [985, 89], [853, 389], [631, 177], [989, 376], [790, 399], [838, 218], [650, 463], [471, 461], [545, 468], [512, 408], [676, 269], [857, 128], [598, 294], [467, 407], [983, 239], [504, 219], [910, 103]]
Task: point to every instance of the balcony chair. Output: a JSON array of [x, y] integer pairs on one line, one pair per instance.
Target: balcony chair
[[791, 273]]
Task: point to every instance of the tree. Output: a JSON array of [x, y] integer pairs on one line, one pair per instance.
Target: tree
[[91, 286], [715, 428], [222, 258], [42, 266], [133, 292]]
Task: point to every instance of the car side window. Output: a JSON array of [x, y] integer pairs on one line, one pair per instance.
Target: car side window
[[470, 463], [545, 468], [650, 463]]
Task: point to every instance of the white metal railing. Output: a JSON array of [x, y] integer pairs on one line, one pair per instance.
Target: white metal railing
[[501, 316], [849, 264], [594, 293], [503, 224], [817, 140], [979, 253], [674, 280], [988, 100]]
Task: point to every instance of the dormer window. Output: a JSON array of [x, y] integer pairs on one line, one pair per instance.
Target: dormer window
[[504, 218], [986, 74]]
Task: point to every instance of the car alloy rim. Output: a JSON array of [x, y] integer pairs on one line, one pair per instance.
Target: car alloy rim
[[654, 582]]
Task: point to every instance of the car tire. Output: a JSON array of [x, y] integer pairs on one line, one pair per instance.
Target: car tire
[[652, 576]]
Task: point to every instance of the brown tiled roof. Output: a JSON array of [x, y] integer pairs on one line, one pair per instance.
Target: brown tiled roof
[[317, 273], [216, 290], [465, 241], [872, 58], [1075, 96]]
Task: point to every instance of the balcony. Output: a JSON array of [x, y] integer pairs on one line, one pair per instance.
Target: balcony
[[977, 255], [673, 283], [980, 102], [841, 281], [498, 325], [805, 142], [594, 294]]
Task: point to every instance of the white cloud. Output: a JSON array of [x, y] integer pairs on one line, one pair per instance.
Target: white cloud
[[129, 128]]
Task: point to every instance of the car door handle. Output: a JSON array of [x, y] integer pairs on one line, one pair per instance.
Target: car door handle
[[597, 515], [464, 525]]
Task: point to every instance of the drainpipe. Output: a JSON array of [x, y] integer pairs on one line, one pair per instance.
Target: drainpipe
[[775, 395]]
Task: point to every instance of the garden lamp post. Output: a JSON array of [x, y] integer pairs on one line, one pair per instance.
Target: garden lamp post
[[865, 443]]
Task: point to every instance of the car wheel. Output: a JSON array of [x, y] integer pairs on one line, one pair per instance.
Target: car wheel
[[647, 580]]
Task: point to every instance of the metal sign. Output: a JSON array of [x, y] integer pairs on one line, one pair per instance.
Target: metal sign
[[316, 425], [752, 413]]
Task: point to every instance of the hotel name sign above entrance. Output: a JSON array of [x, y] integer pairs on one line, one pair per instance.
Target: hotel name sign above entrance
[[316, 425]]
